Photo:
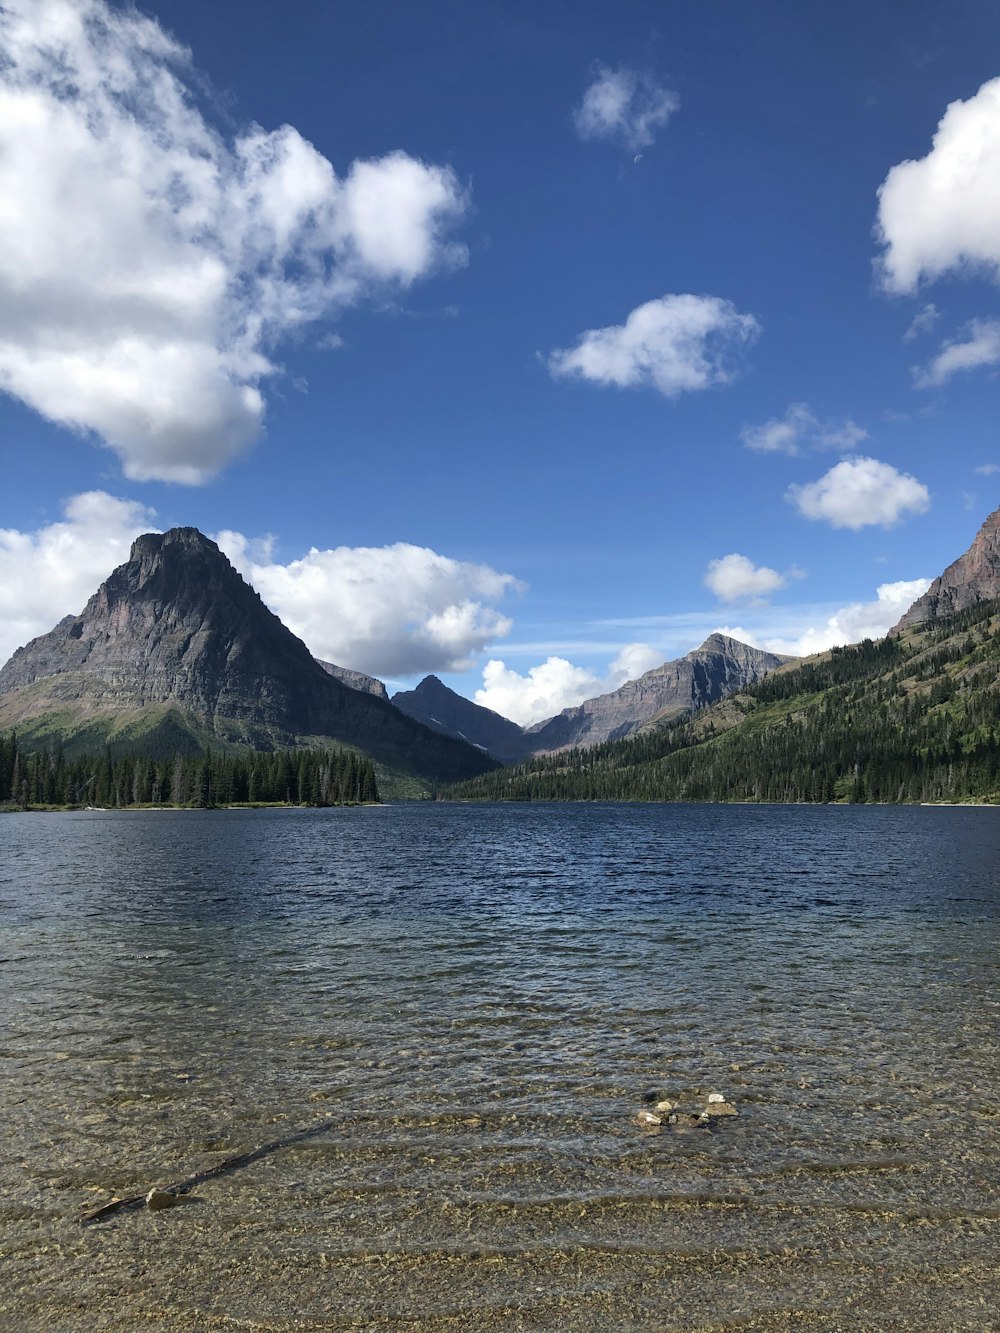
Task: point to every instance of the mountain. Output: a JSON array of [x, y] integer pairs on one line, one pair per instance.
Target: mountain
[[175, 652], [436, 706], [719, 667], [912, 717], [973, 577], [355, 680]]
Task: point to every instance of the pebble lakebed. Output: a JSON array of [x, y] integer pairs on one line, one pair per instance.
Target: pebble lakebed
[[448, 1021]]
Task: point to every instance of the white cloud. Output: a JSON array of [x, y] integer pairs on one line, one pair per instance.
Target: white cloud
[[389, 610], [943, 211], [801, 429], [674, 344], [987, 469], [51, 572], [546, 689], [860, 492], [734, 577], [148, 265], [631, 662], [922, 322], [626, 106], [850, 624], [981, 347]]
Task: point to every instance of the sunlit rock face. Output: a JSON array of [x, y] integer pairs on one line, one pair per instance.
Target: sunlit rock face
[[719, 667], [973, 577], [175, 631]]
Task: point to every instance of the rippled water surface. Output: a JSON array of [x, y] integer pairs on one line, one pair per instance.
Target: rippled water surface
[[469, 1005]]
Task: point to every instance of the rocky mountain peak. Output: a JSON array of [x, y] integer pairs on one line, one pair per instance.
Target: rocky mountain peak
[[973, 577], [175, 639], [436, 706]]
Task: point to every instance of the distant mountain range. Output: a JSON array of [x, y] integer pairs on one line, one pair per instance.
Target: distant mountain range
[[719, 667], [176, 653], [914, 716]]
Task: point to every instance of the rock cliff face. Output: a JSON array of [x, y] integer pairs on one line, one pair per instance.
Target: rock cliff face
[[719, 667], [434, 704], [355, 680], [973, 577], [175, 639]]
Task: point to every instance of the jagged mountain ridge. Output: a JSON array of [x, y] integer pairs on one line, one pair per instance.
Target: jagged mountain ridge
[[175, 647], [355, 680], [437, 706], [912, 717], [974, 577], [719, 667]]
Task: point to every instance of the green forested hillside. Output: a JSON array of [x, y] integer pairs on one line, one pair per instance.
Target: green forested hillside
[[908, 718], [293, 777]]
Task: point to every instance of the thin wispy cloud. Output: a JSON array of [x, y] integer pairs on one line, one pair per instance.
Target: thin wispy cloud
[[800, 430], [624, 106], [848, 624], [922, 322], [150, 265], [978, 348]]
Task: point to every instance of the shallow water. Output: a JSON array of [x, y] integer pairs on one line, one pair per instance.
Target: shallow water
[[470, 1003]]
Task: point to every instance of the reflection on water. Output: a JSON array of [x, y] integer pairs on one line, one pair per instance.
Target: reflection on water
[[474, 1001]]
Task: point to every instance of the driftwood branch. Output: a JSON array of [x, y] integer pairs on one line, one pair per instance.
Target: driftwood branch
[[223, 1168]]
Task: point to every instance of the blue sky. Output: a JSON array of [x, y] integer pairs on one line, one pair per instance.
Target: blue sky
[[559, 333]]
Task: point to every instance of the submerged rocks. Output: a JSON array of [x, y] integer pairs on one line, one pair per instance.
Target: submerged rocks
[[159, 1199], [647, 1120], [682, 1116]]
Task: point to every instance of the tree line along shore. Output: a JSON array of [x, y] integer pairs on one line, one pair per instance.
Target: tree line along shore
[[911, 718], [45, 778]]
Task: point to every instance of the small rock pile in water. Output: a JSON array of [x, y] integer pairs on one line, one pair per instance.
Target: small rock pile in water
[[667, 1113]]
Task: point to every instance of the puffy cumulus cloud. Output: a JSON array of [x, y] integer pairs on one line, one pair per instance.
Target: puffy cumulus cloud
[[675, 344], [800, 429], [51, 572], [980, 347], [633, 661], [546, 689], [624, 106], [389, 610], [943, 211], [850, 624], [555, 684], [734, 578], [860, 492], [149, 265]]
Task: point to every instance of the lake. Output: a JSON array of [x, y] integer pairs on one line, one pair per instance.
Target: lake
[[469, 1005]]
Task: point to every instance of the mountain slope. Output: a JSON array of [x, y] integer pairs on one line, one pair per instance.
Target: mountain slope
[[912, 717], [974, 577], [719, 667], [436, 706], [175, 651], [355, 680]]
